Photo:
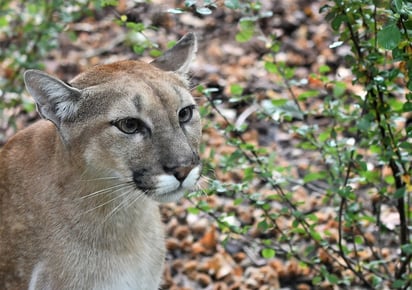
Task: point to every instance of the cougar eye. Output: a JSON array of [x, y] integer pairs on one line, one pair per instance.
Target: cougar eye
[[131, 126], [186, 114]]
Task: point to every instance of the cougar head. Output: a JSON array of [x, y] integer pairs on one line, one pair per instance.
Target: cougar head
[[128, 122]]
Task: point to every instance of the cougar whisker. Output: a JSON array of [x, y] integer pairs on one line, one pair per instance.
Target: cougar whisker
[[112, 199], [110, 189], [125, 203], [104, 178]]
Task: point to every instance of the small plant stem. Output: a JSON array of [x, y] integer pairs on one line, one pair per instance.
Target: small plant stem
[[342, 207], [386, 134]]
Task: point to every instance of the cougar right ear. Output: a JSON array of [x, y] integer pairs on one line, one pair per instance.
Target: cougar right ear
[[179, 57], [55, 100]]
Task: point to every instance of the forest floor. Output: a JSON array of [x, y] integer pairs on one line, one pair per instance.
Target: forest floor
[[197, 257]]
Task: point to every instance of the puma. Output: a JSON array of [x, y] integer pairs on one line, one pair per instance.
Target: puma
[[79, 191]]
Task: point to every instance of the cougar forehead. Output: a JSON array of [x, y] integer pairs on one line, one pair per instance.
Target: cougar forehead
[[140, 70], [106, 88]]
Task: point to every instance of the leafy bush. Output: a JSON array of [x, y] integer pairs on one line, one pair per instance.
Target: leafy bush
[[28, 32], [363, 152]]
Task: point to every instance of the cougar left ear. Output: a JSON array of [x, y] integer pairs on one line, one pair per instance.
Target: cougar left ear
[[179, 57], [55, 100]]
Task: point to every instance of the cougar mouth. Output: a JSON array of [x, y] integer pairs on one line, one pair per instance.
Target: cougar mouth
[[169, 188]]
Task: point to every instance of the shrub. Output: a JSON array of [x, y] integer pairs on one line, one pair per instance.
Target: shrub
[[362, 163], [28, 32]]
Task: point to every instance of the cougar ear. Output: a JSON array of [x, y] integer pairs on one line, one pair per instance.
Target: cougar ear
[[55, 100], [179, 57]]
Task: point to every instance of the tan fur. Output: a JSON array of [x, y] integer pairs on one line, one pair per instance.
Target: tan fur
[[78, 196]]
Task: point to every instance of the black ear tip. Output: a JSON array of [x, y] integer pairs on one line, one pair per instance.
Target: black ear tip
[[28, 73], [189, 36], [32, 73], [188, 39]]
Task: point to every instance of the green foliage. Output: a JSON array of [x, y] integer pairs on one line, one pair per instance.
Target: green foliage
[[205, 8], [30, 31], [251, 12], [136, 37], [361, 144]]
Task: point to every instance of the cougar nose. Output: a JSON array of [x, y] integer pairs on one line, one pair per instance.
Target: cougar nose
[[180, 172]]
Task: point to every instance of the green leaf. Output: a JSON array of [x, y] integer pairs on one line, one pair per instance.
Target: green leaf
[[365, 123], [3, 21], [232, 4], [324, 69], [398, 5], [204, 206], [263, 225], [314, 176], [155, 53], [406, 145], [333, 279], [359, 240], [136, 27], [106, 3], [376, 281], [307, 146], [33, 8], [393, 73], [407, 249], [248, 174], [316, 280], [399, 193], [175, 11], [325, 135], [337, 22], [271, 67], [244, 36], [268, 253], [190, 3], [389, 37], [236, 89], [279, 102], [238, 201], [203, 11], [308, 94], [29, 106], [396, 105], [310, 249], [312, 217], [336, 44], [407, 107], [339, 89], [193, 210], [138, 49], [390, 179], [399, 283], [289, 72], [247, 29], [315, 235]]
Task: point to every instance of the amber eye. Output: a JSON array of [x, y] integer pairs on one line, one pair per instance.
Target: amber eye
[[186, 114], [132, 126]]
